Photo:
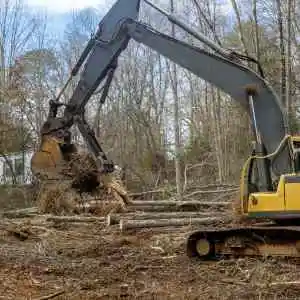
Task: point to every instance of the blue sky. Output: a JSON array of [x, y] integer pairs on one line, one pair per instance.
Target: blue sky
[[61, 6], [59, 12]]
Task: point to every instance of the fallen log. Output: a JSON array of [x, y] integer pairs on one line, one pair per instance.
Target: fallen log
[[194, 205], [162, 208], [113, 219], [200, 190], [220, 191], [178, 203], [75, 219], [137, 224], [159, 208], [20, 213], [144, 202], [211, 185], [51, 296], [162, 205], [140, 194]]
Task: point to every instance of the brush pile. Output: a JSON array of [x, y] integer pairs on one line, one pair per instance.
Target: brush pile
[[57, 197]]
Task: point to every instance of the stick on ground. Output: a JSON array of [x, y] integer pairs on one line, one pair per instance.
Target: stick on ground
[[51, 296], [21, 213]]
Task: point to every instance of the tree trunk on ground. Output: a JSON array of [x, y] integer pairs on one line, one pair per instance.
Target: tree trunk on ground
[[174, 208], [167, 203], [21, 213], [132, 224], [75, 219], [113, 219]]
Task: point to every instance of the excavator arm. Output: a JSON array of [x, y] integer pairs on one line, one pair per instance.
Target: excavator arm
[[100, 57], [117, 28]]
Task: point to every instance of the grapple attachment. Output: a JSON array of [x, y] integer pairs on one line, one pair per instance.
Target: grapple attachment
[[45, 162], [56, 160]]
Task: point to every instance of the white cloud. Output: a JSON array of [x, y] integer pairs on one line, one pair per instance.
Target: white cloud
[[65, 5], [226, 7]]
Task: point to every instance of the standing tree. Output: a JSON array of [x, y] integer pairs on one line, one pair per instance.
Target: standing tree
[[174, 84], [17, 29]]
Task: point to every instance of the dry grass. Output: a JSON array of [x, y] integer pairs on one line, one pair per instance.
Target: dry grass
[[57, 198], [16, 196], [236, 208], [103, 208], [236, 205]]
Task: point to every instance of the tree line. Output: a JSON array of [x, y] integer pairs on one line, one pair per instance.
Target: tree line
[[164, 125]]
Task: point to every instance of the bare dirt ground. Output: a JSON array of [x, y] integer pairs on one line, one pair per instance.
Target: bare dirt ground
[[90, 261]]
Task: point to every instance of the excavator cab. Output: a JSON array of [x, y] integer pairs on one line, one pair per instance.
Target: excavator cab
[[280, 201]]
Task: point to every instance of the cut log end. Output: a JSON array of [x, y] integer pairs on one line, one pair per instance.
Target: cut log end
[[110, 220]]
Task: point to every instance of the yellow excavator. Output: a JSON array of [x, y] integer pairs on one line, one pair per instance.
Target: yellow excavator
[[270, 181]]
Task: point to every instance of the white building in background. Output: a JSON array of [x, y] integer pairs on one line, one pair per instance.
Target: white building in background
[[20, 163]]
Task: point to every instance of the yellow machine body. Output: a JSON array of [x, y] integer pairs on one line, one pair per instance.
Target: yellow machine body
[[284, 203]]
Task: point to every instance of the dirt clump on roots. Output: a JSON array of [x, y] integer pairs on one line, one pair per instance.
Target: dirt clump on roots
[[78, 182], [86, 178], [83, 172]]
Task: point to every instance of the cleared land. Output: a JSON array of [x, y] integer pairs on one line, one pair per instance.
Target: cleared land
[[41, 259]]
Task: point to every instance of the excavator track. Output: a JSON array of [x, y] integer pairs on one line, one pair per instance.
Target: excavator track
[[263, 241]]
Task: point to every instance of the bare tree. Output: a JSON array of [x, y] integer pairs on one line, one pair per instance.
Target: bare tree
[[239, 22], [174, 84], [282, 51], [17, 28], [289, 56], [256, 25]]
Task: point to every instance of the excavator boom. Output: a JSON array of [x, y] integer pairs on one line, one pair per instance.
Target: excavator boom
[[215, 69]]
